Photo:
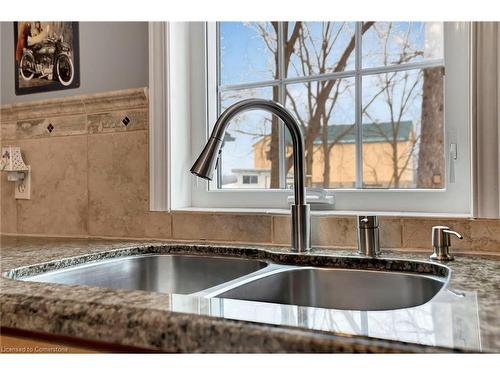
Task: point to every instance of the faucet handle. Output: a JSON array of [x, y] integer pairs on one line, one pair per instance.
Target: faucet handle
[[441, 242], [367, 221]]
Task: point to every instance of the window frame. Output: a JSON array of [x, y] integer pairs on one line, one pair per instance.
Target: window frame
[[454, 198]]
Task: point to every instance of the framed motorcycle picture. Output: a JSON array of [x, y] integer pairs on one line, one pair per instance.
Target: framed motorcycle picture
[[47, 56]]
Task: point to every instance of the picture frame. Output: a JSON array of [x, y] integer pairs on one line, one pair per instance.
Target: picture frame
[[46, 56]]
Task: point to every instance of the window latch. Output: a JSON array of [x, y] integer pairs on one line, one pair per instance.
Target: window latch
[[453, 158]]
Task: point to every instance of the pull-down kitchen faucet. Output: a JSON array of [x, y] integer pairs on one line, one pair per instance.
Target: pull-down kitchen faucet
[[206, 162]]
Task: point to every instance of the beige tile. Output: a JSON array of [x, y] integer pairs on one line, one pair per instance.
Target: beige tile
[[8, 208], [119, 188], [485, 235], [325, 231], [222, 227], [157, 225], [112, 121], [390, 232], [334, 231], [8, 131], [417, 232], [58, 204], [281, 229], [61, 126]]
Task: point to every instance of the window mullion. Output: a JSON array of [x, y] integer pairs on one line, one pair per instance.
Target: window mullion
[[402, 67], [280, 45], [219, 101], [358, 103], [334, 75]]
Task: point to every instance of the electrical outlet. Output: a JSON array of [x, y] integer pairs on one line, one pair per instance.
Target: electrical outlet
[[23, 187]]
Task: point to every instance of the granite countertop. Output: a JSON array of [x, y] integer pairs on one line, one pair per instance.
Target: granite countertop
[[463, 317]]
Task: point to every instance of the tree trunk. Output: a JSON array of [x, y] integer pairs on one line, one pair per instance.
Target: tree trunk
[[430, 172], [395, 166]]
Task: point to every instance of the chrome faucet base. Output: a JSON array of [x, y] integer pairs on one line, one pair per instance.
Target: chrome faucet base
[[440, 255], [301, 228]]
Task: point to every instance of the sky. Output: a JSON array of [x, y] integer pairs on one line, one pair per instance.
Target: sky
[[245, 58]]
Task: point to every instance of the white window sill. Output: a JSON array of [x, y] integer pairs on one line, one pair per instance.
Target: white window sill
[[276, 211]]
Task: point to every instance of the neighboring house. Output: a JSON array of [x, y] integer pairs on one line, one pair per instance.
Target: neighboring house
[[252, 178], [384, 151]]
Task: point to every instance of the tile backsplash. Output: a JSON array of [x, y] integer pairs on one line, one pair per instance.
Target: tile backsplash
[[89, 174], [90, 178]]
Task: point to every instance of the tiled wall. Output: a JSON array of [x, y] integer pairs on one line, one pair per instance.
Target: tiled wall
[[90, 174], [90, 178]]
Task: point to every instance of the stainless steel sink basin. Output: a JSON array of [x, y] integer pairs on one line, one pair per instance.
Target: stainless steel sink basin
[[339, 289], [253, 280], [182, 274]]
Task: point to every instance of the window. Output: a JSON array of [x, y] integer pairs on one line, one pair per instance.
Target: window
[[368, 97], [247, 180], [373, 102]]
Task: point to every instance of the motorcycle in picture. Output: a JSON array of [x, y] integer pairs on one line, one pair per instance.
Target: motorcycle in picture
[[49, 59]]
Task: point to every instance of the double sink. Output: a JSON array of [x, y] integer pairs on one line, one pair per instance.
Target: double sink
[[255, 280]]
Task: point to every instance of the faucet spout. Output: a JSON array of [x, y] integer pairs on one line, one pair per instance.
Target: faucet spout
[[205, 164]]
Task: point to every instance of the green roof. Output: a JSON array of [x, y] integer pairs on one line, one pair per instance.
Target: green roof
[[373, 132]]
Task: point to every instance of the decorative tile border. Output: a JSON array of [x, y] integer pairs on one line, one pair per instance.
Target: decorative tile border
[[86, 114], [123, 120], [116, 100], [49, 127]]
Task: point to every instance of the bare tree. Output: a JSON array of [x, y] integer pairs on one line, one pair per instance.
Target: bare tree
[[327, 144], [312, 57], [308, 52], [431, 151], [270, 40], [320, 101], [398, 93]]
